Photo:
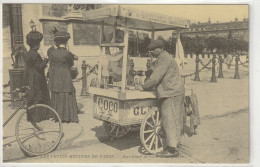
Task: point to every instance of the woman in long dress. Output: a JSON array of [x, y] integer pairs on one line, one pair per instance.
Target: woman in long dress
[[34, 75], [63, 98]]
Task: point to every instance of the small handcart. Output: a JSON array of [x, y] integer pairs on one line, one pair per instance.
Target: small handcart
[[119, 107]]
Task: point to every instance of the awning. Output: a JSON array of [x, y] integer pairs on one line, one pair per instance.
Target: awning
[[136, 19]]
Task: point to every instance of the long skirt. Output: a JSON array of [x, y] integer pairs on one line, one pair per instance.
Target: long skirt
[[172, 119], [38, 114], [66, 106]]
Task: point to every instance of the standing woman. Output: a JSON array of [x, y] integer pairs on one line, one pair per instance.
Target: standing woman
[[34, 76], [63, 98]]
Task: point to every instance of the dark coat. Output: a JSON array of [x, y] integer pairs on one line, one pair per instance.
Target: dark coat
[[34, 77], [59, 73]]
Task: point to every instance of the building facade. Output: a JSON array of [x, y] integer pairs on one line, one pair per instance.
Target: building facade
[[85, 38], [239, 29]]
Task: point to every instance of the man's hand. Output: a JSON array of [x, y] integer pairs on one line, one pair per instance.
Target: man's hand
[[138, 87]]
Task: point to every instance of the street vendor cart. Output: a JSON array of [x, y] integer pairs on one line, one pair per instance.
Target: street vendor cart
[[119, 106]]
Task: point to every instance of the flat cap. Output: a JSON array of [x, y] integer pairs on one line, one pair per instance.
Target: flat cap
[[155, 44]]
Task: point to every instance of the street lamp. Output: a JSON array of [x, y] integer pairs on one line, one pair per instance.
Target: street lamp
[[32, 25]]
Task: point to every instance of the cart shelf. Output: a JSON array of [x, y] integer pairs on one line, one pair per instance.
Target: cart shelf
[[124, 96], [112, 45]]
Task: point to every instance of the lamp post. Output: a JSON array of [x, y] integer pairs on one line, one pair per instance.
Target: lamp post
[[32, 25], [18, 52]]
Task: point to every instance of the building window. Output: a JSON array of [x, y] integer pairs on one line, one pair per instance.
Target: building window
[[48, 26], [85, 34]]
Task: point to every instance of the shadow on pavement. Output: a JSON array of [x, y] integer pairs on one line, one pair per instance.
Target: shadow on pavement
[[131, 140]]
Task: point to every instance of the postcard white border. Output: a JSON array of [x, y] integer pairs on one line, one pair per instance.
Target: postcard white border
[[254, 77]]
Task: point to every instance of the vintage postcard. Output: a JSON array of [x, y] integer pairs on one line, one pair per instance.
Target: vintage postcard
[[101, 83]]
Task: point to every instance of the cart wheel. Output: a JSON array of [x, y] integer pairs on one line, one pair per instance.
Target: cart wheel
[[150, 132], [116, 131]]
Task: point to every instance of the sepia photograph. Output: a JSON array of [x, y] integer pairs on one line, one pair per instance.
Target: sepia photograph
[[121, 83]]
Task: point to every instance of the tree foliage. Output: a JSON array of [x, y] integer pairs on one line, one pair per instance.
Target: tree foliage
[[222, 45], [199, 44]]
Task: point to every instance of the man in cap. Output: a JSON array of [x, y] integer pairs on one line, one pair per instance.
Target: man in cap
[[170, 92]]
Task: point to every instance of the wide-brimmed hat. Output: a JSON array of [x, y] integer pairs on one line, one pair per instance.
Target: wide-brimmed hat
[[155, 44], [34, 38]]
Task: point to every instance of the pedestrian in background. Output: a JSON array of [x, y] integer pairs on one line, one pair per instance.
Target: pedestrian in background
[[63, 95], [34, 76], [166, 78]]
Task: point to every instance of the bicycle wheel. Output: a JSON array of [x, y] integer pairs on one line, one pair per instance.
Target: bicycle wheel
[[38, 130]]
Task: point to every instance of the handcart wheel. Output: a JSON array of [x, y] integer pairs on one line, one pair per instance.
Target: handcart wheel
[[151, 132], [114, 130], [38, 130]]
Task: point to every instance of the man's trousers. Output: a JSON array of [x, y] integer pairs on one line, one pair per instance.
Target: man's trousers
[[173, 111]]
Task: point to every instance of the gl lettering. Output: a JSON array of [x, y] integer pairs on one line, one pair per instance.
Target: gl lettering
[[140, 110]]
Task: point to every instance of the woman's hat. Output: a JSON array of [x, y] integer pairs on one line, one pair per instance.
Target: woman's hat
[[155, 44], [60, 35], [34, 38]]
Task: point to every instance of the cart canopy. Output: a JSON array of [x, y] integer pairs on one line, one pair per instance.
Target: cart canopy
[[136, 19]]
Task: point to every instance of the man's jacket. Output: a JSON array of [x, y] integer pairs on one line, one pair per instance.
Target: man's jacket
[[166, 77]]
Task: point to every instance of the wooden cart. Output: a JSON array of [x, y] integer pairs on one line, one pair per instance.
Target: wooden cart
[[120, 109]]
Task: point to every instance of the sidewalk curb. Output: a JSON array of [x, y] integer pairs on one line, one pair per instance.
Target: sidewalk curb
[[241, 110], [68, 142]]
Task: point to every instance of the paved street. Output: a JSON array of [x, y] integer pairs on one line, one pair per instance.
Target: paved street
[[227, 143], [223, 136]]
